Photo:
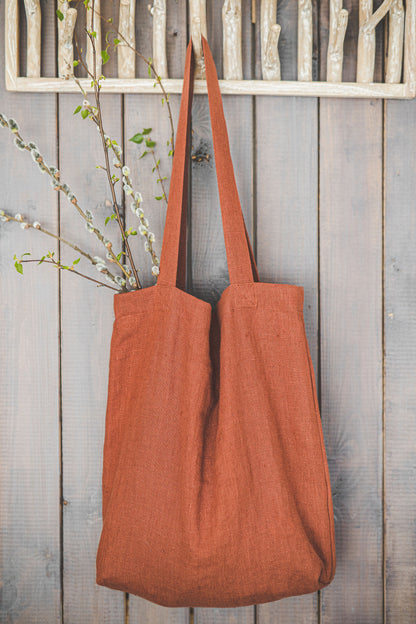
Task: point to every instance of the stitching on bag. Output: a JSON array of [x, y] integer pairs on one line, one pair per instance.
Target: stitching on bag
[[324, 458]]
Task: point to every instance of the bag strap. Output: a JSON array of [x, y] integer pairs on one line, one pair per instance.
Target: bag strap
[[240, 258]]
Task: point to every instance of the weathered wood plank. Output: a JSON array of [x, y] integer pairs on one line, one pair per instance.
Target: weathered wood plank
[[146, 111], [209, 273], [400, 364], [286, 207], [87, 315], [29, 370], [287, 243], [351, 351]]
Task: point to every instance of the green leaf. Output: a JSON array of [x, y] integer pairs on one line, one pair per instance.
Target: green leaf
[[159, 198], [75, 63], [19, 267], [146, 131], [60, 16], [26, 254], [76, 261], [116, 42], [84, 113], [105, 56], [170, 153], [149, 71], [144, 154], [78, 108], [107, 219], [150, 143], [137, 138], [41, 260], [119, 255], [93, 34]]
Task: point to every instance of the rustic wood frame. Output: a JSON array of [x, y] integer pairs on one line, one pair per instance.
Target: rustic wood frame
[[403, 90]]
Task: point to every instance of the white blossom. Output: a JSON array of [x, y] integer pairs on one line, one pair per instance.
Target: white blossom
[[89, 227], [155, 270], [132, 281], [12, 123], [36, 225], [19, 143], [18, 216], [120, 280], [142, 230], [126, 170], [151, 237], [138, 197], [24, 225]]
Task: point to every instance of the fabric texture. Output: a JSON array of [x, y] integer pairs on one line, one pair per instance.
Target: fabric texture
[[216, 489]]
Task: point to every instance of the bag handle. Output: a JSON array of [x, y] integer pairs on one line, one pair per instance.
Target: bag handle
[[240, 258]]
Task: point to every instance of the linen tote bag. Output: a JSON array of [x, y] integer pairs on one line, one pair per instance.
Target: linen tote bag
[[216, 489]]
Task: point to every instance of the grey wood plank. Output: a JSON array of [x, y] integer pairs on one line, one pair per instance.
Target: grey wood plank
[[87, 316], [209, 273], [287, 219], [351, 351], [400, 363], [147, 111], [287, 243], [29, 368]]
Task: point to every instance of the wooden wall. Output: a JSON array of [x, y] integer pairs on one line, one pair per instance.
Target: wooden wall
[[327, 188]]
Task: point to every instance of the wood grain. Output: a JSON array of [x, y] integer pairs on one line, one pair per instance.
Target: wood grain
[[87, 315], [351, 351], [287, 244], [400, 365], [209, 273], [29, 370], [147, 111]]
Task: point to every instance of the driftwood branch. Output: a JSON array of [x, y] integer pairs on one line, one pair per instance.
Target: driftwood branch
[[160, 62], [198, 24], [65, 40], [33, 21], [366, 53], [269, 32], [12, 43], [410, 45], [338, 21], [271, 67], [125, 55], [305, 34], [94, 24], [395, 47], [232, 43]]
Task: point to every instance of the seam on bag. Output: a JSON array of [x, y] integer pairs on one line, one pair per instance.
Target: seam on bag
[[324, 458]]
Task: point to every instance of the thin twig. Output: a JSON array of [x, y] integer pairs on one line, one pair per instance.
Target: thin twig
[[150, 65], [72, 270], [97, 87], [159, 173], [38, 227]]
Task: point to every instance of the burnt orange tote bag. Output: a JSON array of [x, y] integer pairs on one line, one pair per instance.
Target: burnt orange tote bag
[[216, 489]]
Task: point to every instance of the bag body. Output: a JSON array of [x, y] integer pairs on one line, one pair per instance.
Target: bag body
[[216, 488]]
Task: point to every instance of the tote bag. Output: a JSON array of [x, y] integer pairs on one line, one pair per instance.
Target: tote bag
[[216, 489]]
